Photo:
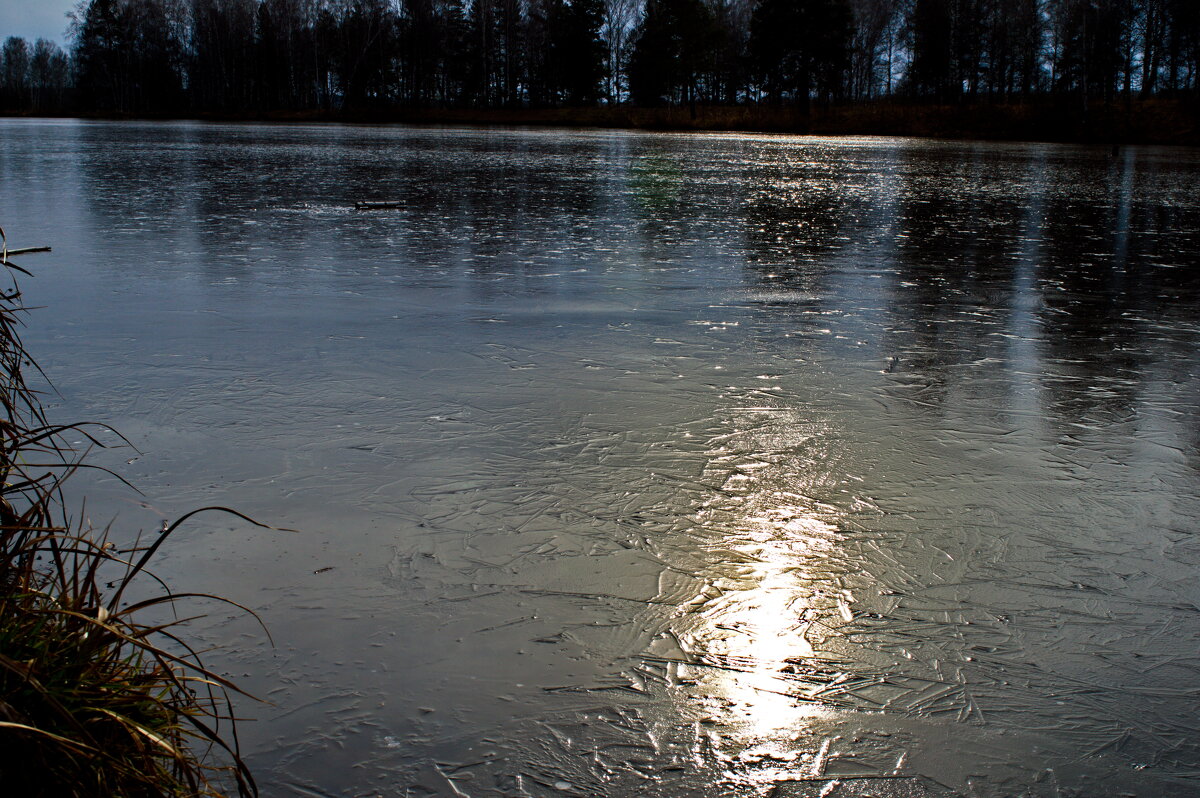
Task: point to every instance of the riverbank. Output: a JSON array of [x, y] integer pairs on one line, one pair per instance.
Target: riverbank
[[1140, 122], [1154, 121]]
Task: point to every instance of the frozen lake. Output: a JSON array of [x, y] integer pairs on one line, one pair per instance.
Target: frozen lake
[[657, 465]]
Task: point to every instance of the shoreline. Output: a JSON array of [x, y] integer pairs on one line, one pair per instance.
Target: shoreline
[[1154, 121]]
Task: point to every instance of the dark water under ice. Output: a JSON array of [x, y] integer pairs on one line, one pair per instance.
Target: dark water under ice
[[654, 465]]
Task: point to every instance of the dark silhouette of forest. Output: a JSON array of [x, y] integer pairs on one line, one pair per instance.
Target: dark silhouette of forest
[[692, 59]]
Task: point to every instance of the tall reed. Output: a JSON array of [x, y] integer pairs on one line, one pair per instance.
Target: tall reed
[[98, 695]]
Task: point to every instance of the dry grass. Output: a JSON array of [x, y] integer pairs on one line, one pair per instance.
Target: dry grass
[[94, 699], [1155, 121]]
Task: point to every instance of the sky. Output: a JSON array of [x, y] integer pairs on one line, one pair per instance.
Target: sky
[[33, 19]]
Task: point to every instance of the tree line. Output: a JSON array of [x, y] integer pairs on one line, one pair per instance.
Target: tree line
[[255, 56]]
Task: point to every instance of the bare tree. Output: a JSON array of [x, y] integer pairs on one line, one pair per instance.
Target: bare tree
[[620, 21], [14, 73], [49, 75]]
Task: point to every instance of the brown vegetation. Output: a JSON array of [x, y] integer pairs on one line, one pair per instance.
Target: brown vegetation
[[99, 693], [1153, 121]]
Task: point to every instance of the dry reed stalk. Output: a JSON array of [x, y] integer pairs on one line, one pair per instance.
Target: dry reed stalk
[[94, 700]]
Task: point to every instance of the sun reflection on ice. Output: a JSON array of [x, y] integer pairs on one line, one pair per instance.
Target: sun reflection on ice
[[765, 629], [772, 608]]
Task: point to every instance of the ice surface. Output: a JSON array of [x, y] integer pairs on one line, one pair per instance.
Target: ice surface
[[633, 464]]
